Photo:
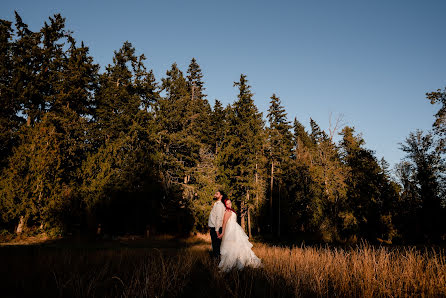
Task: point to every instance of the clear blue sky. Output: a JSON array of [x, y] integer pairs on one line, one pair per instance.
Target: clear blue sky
[[372, 61]]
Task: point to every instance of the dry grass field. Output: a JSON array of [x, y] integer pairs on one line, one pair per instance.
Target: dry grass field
[[169, 267]]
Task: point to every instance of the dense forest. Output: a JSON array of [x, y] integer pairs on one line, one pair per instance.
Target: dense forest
[[119, 149]]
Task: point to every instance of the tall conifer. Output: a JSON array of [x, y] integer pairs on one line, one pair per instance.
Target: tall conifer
[[280, 150], [237, 158]]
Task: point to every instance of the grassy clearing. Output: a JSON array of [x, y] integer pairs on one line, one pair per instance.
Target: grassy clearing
[[168, 267]]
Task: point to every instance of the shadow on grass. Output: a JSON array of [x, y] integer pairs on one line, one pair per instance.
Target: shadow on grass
[[135, 267], [206, 280]]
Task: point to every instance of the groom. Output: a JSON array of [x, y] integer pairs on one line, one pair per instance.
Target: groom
[[215, 223]]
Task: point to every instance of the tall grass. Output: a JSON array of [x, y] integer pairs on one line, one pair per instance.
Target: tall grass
[[168, 268], [364, 271]]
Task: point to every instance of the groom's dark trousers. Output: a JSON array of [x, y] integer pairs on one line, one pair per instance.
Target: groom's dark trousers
[[216, 243]]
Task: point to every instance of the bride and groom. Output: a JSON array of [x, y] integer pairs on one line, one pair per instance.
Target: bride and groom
[[229, 241]]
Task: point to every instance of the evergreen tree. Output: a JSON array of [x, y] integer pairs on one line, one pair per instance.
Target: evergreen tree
[[121, 165], [180, 146], [371, 193], [300, 136], [28, 71], [241, 148], [409, 205], [36, 187], [9, 107], [218, 126], [194, 80], [328, 174], [299, 182], [199, 108], [61, 128], [317, 135], [117, 103], [280, 148], [426, 164], [280, 136], [202, 190]]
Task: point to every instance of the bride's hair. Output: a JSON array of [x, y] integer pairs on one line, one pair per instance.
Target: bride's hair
[[224, 202]]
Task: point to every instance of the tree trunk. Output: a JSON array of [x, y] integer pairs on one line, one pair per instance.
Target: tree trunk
[[249, 224], [272, 184], [278, 225], [257, 186], [271, 198], [21, 226], [242, 215]]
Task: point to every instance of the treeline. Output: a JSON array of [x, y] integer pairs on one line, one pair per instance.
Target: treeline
[[80, 148]]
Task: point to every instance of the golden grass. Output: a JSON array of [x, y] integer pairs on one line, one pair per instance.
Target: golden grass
[[184, 268], [28, 240], [364, 271]]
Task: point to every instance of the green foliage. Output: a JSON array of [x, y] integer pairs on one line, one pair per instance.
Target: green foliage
[[238, 157], [200, 193], [371, 195], [421, 175], [33, 186], [279, 147], [117, 148], [439, 97], [9, 121]]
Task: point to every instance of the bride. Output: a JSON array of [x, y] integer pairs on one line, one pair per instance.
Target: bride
[[235, 248]]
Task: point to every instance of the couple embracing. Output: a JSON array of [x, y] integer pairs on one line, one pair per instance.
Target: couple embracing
[[229, 241]]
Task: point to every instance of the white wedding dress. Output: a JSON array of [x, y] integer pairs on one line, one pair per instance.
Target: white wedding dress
[[235, 248]]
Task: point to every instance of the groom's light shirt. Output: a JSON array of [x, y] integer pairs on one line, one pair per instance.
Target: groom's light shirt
[[216, 216]]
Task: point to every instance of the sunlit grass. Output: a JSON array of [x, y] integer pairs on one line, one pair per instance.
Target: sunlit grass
[[168, 267], [361, 271]]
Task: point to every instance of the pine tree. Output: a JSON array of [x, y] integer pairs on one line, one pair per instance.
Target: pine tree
[[116, 102], [27, 75], [280, 148], [194, 80], [121, 163], [180, 146], [9, 106], [370, 191], [299, 183], [199, 108], [41, 79], [33, 188], [238, 156], [316, 185], [300, 136], [218, 126]]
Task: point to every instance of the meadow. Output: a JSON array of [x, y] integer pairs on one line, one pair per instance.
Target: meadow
[[169, 267]]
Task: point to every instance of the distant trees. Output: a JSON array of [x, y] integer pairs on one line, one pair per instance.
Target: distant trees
[[422, 203], [439, 97], [371, 193], [125, 151], [421, 176]]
